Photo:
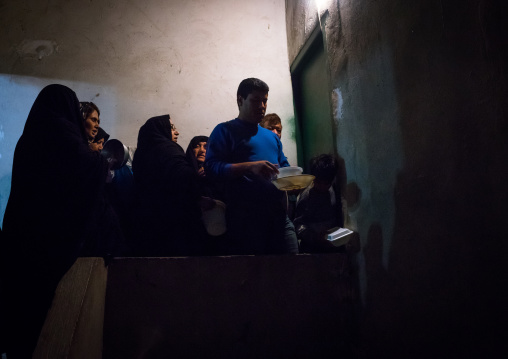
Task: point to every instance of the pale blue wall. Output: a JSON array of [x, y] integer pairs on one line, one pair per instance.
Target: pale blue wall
[[17, 94]]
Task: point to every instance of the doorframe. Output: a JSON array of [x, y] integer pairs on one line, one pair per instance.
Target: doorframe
[[315, 39]]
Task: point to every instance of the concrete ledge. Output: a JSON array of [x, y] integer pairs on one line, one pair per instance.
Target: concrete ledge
[[227, 307], [74, 325]]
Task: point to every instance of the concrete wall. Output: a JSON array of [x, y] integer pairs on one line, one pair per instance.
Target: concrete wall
[[419, 94], [137, 59]]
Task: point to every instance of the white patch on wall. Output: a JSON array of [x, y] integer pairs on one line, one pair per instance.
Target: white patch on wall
[[37, 48], [339, 101]]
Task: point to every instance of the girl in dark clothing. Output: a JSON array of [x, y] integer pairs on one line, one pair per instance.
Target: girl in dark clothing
[[56, 179], [196, 152], [168, 193], [99, 140]]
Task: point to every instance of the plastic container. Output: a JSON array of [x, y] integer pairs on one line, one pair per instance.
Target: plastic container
[[289, 171]]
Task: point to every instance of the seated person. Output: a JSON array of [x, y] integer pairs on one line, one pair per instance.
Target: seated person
[[100, 138], [319, 208], [273, 123], [168, 192]]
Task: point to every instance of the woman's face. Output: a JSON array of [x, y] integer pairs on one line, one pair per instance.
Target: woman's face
[[200, 152], [174, 133], [92, 124], [97, 146]]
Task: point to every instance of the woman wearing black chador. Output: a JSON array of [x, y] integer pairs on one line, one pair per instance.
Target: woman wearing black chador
[[56, 183], [169, 209]]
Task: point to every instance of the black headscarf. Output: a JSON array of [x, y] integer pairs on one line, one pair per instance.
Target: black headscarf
[[56, 179], [101, 134], [168, 193], [190, 150]]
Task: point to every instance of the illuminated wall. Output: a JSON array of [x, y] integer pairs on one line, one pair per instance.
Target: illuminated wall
[[139, 59]]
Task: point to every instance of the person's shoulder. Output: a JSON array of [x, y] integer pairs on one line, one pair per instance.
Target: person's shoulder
[[220, 127], [303, 196], [266, 132], [225, 124], [221, 131]]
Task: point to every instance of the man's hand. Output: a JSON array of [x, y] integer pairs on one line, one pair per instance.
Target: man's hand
[[264, 169]]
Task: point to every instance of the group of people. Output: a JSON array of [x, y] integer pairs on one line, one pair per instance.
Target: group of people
[[60, 206]]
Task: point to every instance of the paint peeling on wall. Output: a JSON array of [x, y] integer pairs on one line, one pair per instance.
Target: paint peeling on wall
[[37, 48], [337, 102], [290, 128]]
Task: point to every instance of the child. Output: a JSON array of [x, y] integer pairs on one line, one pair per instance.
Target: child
[[318, 209]]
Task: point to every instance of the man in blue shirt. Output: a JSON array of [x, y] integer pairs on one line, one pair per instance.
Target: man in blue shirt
[[243, 157]]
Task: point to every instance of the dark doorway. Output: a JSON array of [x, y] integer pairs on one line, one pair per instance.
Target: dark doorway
[[314, 130]]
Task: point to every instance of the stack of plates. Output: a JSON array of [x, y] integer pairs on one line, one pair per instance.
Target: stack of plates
[[291, 179]]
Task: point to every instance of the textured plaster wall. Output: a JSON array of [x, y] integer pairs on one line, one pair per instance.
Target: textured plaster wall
[[138, 59], [419, 94]]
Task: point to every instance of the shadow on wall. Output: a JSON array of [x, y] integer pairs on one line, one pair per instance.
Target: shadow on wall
[[440, 295], [349, 191]]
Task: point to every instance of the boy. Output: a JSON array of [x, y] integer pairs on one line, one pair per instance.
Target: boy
[[318, 209]]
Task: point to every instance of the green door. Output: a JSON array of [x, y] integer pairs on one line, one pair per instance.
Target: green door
[[314, 130]]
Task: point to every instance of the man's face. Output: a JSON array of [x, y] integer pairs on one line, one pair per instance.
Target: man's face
[[253, 108]]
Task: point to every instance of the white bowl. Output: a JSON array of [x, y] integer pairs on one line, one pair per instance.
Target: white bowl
[[291, 183]]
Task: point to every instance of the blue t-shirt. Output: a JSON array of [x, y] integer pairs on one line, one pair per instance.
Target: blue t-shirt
[[238, 141]]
